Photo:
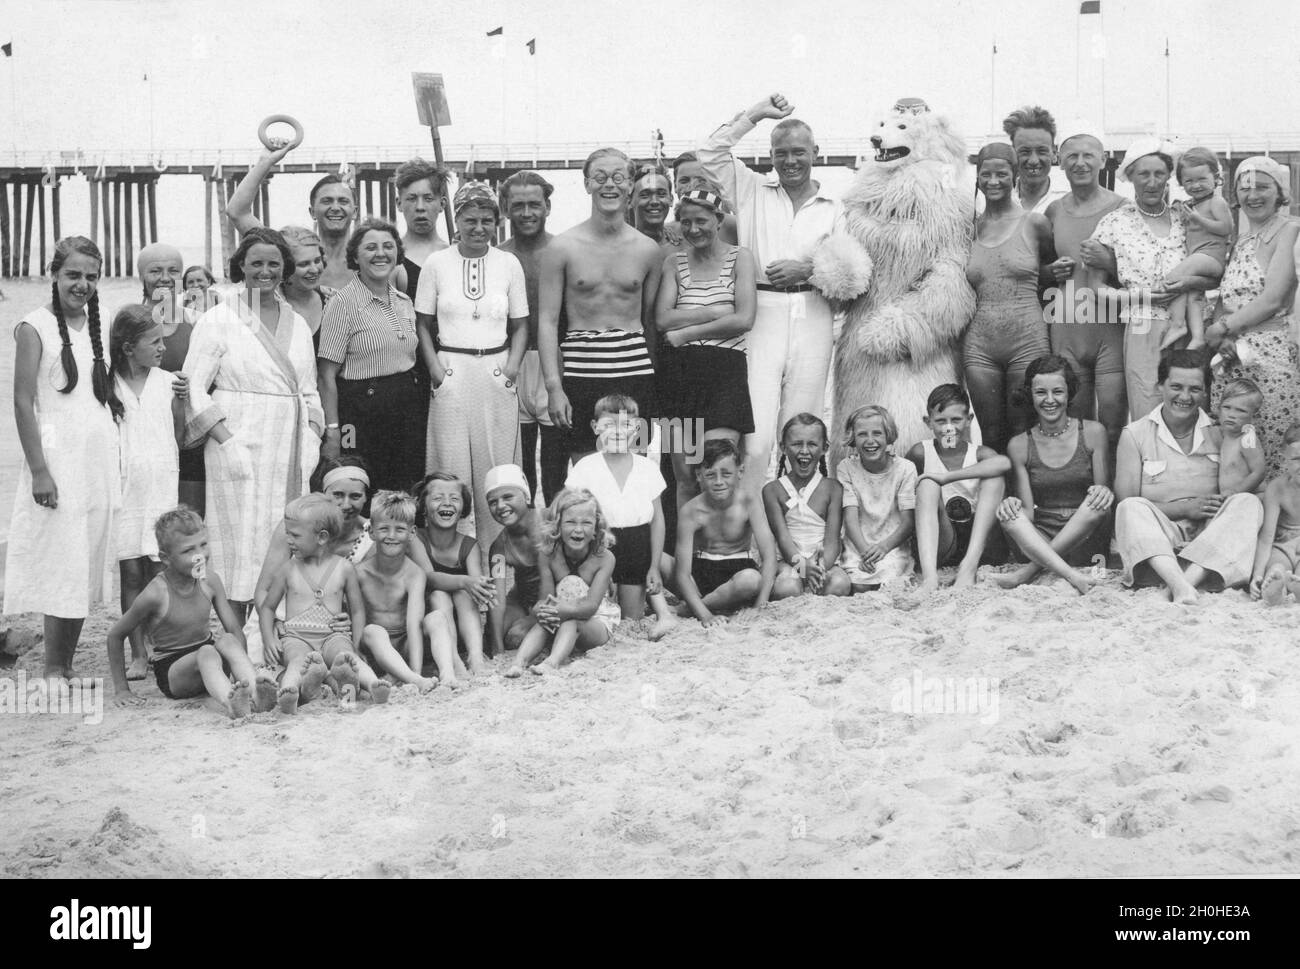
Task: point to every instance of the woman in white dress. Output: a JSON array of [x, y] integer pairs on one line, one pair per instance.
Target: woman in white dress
[[472, 311], [61, 534], [262, 419]]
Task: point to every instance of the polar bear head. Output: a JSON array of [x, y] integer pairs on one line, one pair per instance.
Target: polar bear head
[[911, 132]]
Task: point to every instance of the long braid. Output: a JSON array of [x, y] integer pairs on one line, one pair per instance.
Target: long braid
[[780, 465], [101, 381], [65, 355]]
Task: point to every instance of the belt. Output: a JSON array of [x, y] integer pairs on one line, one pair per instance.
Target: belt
[[473, 353], [801, 288]]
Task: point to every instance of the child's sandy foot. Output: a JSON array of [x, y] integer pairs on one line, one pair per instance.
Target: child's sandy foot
[[965, 579], [264, 693], [1293, 584], [1184, 595], [344, 675], [287, 699], [514, 672], [1011, 580], [478, 667], [928, 587], [684, 610], [660, 628], [1082, 582], [427, 683], [379, 691], [313, 676], [1274, 588], [138, 669], [545, 668], [239, 703]]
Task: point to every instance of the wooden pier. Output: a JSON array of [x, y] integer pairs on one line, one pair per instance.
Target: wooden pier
[[123, 184]]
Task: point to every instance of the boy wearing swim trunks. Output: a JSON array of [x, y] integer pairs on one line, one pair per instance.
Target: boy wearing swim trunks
[[720, 576], [958, 489], [392, 587], [314, 584], [174, 609]]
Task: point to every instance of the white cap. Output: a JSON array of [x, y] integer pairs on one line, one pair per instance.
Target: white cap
[[1147, 145], [507, 476]]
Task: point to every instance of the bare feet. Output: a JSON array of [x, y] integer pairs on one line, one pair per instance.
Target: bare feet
[[1013, 580], [514, 672], [287, 699], [138, 669], [1183, 594], [965, 578], [264, 692], [427, 683], [545, 668], [928, 586], [1081, 581], [477, 667], [313, 676], [660, 628], [1274, 588], [239, 702], [344, 675], [379, 691]]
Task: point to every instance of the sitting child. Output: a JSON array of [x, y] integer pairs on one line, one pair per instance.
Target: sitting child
[[576, 566], [958, 490], [804, 509], [453, 571], [1241, 459], [511, 613], [314, 584], [173, 609], [879, 501], [720, 576], [392, 587], [627, 487], [1277, 555]]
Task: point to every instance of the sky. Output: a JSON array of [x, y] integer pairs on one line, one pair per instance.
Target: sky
[[615, 71]]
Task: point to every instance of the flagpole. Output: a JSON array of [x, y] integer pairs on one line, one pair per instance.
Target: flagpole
[[13, 101], [537, 102], [993, 84], [1169, 128], [1101, 19]]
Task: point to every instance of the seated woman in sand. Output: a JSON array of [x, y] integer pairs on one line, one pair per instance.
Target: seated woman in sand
[[1060, 476], [1167, 482]]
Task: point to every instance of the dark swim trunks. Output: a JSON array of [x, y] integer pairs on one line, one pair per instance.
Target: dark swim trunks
[[162, 665], [709, 574]]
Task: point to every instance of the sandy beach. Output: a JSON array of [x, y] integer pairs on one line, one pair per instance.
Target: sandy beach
[[983, 732]]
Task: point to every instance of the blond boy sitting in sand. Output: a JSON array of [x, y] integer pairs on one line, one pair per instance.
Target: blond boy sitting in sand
[[1241, 458], [1277, 554], [315, 584], [720, 576], [392, 587], [173, 610]]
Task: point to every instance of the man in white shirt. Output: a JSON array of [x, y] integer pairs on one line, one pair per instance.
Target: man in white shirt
[[781, 219]]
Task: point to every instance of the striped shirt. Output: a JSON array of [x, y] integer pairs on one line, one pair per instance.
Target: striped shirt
[[605, 354], [713, 292], [369, 337]]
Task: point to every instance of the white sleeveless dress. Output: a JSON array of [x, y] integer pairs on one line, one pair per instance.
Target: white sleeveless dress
[[150, 463], [60, 560]]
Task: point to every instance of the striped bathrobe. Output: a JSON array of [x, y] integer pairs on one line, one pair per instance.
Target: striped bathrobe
[[265, 391]]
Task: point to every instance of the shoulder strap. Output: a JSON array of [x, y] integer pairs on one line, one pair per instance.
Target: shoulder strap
[[729, 263], [683, 270], [466, 547], [784, 482], [329, 569]]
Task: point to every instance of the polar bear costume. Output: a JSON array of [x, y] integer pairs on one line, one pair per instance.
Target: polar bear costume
[[900, 263]]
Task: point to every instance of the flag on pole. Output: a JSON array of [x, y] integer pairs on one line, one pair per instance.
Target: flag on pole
[[532, 46], [8, 49], [1090, 6], [497, 32]]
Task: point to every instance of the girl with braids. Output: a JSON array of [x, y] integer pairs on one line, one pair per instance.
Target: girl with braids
[[153, 423], [804, 509], [62, 530]]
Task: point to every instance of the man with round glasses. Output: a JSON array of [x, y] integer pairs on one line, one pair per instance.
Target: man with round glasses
[[605, 274]]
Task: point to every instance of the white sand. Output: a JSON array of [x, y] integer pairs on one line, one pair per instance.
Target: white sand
[[1130, 737]]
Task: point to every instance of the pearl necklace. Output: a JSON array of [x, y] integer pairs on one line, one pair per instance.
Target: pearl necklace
[[1153, 215]]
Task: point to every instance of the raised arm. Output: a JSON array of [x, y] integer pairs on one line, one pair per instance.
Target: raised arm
[[240, 206], [738, 183]]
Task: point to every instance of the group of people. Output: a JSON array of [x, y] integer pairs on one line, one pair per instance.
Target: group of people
[[215, 453]]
